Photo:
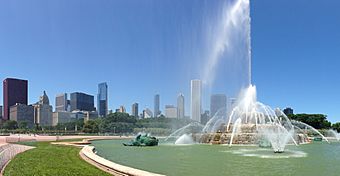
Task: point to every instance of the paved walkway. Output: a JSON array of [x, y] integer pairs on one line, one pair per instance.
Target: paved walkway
[[8, 152]]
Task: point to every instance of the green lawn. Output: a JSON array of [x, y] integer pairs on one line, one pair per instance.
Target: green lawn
[[48, 159]]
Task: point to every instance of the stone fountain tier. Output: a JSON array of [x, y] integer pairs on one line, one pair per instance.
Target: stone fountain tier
[[247, 134], [224, 138]]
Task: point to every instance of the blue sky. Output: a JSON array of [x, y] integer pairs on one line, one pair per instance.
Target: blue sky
[[144, 47]]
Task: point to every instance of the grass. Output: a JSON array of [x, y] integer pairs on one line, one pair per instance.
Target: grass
[[47, 159]]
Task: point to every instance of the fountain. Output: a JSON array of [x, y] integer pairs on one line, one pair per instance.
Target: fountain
[[334, 134], [250, 122]]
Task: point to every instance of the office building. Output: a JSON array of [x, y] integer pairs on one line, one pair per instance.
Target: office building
[[157, 111], [180, 106], [288, 111], [218, 103], [62, 117], [61, 103], [134, 110], [102, 100], [43, 111], [1, 115], [170, 111], [205, 117], [14, 91], [22, 113], [121, 109], [196, 100], [82, 102]]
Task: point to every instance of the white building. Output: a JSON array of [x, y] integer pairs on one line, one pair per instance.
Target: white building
[[170, 111], [147, 113], [196, 93], [43, 111], [180, 106]]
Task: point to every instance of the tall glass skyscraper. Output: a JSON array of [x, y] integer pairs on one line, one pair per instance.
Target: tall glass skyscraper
[[102, 99], [196, 91], [156, 111], [218, 103], [82, 102], [61, 102], [134, 110], [180, 106]]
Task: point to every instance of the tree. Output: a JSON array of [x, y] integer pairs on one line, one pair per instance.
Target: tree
[[336, 126], [91, 126], [318, 121], [23, 125], [10, 125]]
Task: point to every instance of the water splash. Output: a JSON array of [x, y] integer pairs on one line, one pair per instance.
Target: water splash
[[185, 139], [306, 126], [334, 134], [229, 38]]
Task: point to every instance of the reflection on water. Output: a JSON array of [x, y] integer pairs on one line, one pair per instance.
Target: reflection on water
[[267, 153]]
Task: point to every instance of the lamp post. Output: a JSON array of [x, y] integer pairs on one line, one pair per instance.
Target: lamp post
[[114, 131]]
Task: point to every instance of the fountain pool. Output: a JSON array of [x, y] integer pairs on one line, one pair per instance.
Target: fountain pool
[[205, 159]]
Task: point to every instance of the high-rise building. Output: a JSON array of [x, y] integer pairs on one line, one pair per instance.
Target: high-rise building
[[232, 103], [122, 109], [218, 103], [170, 111], [61, 103], [196, 100], [205, 117], [81, 101], [180, 106], [43, 111], [102, 100], [22, 113], [156, 111], [288, 111], [1, 112], [134, 110], [14, 91]]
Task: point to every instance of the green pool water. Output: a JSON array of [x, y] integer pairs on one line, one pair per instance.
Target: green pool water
[[319, 159]]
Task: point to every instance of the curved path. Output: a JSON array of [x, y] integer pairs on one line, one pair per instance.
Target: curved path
[[87, 153], [8, 152]]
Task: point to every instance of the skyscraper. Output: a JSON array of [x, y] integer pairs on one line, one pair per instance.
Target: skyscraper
[[180, 106], [43, 111], [156, 111], [134, 110], [14, 91], [81, 101], [1, 112], [288, 111], [102, 99], [218, 103], [61, 102], [170, 111], [122, 109], [196, 100]]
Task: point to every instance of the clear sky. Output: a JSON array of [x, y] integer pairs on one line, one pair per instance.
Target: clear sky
[[144, 47]]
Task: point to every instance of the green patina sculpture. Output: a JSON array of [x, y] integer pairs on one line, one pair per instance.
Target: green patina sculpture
[[143, 140]]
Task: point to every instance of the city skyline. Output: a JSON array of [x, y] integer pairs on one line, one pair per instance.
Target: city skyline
[[297, 52]]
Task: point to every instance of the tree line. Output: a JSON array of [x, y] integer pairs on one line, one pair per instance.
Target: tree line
[[121, 123]]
